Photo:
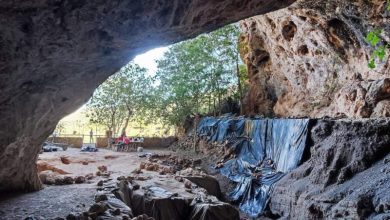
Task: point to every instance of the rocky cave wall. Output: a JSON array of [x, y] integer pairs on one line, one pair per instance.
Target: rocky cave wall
[[53, 54], [346, 176], [344, 172], [311, 60]]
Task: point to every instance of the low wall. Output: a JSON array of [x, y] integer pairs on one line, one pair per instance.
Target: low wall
[[101, 142], [75, 141], [157, 142], [149, 142]]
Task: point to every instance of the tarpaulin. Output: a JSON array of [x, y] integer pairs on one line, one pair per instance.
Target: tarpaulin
[[265, 150]]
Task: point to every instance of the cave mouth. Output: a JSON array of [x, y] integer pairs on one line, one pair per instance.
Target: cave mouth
[[68, 73], [55, 55], [217, 144]]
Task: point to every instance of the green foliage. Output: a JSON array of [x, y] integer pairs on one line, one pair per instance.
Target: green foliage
[[196, 75], [119, 98], [388, 5], [193, 77], [373, 38]]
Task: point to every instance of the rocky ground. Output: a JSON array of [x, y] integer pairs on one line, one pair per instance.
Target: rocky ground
[[60, 200], [120, 185], [344, 174], [49, 203]]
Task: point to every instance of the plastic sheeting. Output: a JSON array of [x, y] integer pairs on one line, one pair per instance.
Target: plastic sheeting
[[256, 141]]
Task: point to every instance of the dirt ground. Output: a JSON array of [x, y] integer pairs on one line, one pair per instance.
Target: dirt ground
[[59, 201]]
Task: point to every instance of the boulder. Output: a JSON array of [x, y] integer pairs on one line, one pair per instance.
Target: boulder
[[207, 182], [79, 179], [65, 160]]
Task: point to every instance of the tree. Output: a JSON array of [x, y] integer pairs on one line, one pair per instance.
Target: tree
[[196, 75], [119, 98]]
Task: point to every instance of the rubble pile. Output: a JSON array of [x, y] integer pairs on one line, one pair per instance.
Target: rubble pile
[[186, 143], [53, 178], [43, 166], [181, 197], [51, 175], [166, 164], [164, 186], [127, 199]]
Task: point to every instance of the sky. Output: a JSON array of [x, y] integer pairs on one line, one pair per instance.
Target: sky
[[148, 59]]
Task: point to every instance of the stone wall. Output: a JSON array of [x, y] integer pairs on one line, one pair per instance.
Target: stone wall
[[101, 142], [311, 60], [158, 143], [75, 141]]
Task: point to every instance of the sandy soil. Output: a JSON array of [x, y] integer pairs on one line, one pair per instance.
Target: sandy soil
[[58, 201]]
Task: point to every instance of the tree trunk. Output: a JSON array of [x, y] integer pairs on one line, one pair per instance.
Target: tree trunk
[[129, 113], [239, 86]]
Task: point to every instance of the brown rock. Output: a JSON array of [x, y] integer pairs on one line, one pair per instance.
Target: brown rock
[[110, 157], [42, 166], [68, 180], [65, 160], [48, 177], [79, 179], [151, 167], [102, 168], [297, 69]]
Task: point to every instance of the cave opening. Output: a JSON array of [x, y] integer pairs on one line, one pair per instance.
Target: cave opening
[[217, 123]]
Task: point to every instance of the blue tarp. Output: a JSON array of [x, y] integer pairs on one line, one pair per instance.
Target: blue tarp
[[281, 140]]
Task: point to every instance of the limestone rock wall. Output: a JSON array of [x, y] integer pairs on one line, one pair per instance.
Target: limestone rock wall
[[346, 176], [311, 60], [53, 54]]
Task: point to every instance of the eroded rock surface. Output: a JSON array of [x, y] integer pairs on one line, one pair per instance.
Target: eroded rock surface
[[311, 59], [53, 54], [346, 177]]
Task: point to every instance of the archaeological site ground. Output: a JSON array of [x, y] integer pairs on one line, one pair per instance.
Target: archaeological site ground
[[247, 109]]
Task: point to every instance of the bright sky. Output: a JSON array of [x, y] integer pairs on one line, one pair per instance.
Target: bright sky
[[148, 59]]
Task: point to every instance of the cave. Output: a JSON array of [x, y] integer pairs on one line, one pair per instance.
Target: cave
[[54, 54]]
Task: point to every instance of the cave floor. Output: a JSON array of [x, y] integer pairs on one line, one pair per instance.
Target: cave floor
[[59, 201]]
